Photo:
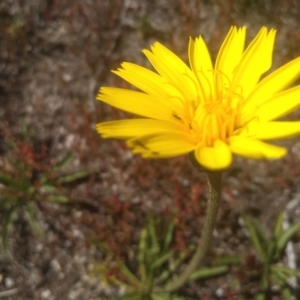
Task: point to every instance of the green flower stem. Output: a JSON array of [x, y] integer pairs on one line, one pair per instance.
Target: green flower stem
[[215, 184]]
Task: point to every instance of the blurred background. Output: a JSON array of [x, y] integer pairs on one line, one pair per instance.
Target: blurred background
[[54, 56]]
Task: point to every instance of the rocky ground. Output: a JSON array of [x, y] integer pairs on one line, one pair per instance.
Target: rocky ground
[[54, 55]]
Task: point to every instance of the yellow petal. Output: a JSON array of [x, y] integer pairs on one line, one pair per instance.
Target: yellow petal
[[256, 60], [271, 130], [165, 144], [214, 158], [125, 129], [279, 105], [138, 103], [172, 68], [201, 65], [147, 81], [272, 84], [229, 55], [252, 148]]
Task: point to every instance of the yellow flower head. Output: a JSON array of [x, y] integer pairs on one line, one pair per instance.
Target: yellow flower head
[[213, 111]]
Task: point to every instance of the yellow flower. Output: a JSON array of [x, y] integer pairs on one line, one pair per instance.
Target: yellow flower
[[211, 111]]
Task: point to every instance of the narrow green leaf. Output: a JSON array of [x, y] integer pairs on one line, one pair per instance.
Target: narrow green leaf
[[278, 277], [278, 226], [59, 165], [255, 238], [264, 284], [168, 235], [72, 177], [20, 167], [43, 179], [209, 272], [142, 254], [265, 279], [228, 260], [260, 296], [6, 180], [127, 273], [174, 297], [58, 198], [30, 190], [285, 290], [47, 188], [179, 260], [172, 268], [7, 225], [287, 293], [271, 251], [161, 260], [282, 276], [264, 241], [286, 236], [131, 296], [161, 296], [287, 271], [5, 202], [32, 219], [154, 245], [10, 144]]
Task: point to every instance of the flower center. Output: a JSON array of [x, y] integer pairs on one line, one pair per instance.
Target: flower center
[[213, 121], [213, 117]]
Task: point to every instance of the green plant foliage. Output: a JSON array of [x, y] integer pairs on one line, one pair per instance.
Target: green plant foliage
[[270, 251], [27, 178], [157, 263]]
